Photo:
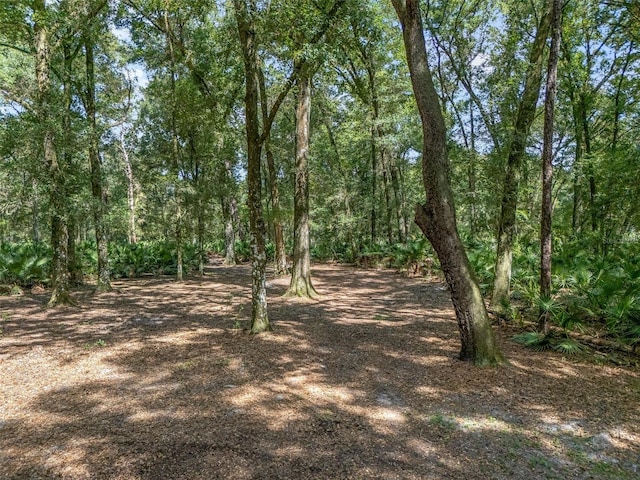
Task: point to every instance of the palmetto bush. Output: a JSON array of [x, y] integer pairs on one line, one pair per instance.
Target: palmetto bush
[[590, 291], [482, 258], [24, 264], [149, 258]]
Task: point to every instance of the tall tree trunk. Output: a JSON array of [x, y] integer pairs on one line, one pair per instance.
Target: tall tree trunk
[[526, 114], [278, 228], [576, 106], [131, 189], [244, 12], [301, 271], [175, 150], [397, 204], [35, 204], [471, 175], [59, 234], [99, 204], [200, 201], [577, 164], [280, 263], [75, 275], [344, 181], [374, 180], [436, 217], [246, 31], [230, 214], [547, 165], [229, 205], [586, 136], [386, 182]]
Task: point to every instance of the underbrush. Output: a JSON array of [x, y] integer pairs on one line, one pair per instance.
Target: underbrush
[[148, 258], [23, 265], [414, 257], [591, 294]]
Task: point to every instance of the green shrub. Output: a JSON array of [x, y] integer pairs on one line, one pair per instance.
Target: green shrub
[[150, 258], [24, 264]]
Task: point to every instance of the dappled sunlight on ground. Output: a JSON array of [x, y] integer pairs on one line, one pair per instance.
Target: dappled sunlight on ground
[[161, 381]]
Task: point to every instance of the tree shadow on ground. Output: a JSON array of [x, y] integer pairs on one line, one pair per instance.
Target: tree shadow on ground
[[362, 383]]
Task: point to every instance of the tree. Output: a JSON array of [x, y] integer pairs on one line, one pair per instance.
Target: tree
[[436, 218], [97, 178], [500, 298], [245, 10], [280, 263], [547, 157], [245, 13], [301, 272], [598, 49], [59, 233], [175, 145]]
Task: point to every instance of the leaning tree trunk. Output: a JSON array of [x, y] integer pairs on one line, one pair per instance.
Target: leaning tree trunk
[[59, 234], [246, 31], [97, 190], [436, 217], [526, 114], [301, 285], [547, 165]]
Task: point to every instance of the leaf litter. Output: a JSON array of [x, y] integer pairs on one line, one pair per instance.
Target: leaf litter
[[160, 380]]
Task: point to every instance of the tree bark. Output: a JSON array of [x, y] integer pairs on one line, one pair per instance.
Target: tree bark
[[386, 183], [175, 150], [230, 214], [586, 136], [99, 196], [131, 189], [526, 113], [230, 211], [547, 165], [246, 31], [278, 229], [577, 105], [244, 12], [66, 150], [200, 200], [301, 285], [436, 218], [374, 180], [280, 263], [397, 204], [59, 233]]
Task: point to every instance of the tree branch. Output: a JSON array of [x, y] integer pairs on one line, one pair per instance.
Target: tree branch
[[297, 66]]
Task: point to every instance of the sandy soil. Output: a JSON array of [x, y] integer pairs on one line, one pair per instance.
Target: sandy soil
[[159, 381]]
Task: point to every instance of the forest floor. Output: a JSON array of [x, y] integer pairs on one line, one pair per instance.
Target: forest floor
[[160, 381]]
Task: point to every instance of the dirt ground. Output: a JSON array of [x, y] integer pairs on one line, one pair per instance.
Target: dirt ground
[[159, 381]]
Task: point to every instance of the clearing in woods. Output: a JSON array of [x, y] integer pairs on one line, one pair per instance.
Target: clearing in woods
[[159, 381]]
